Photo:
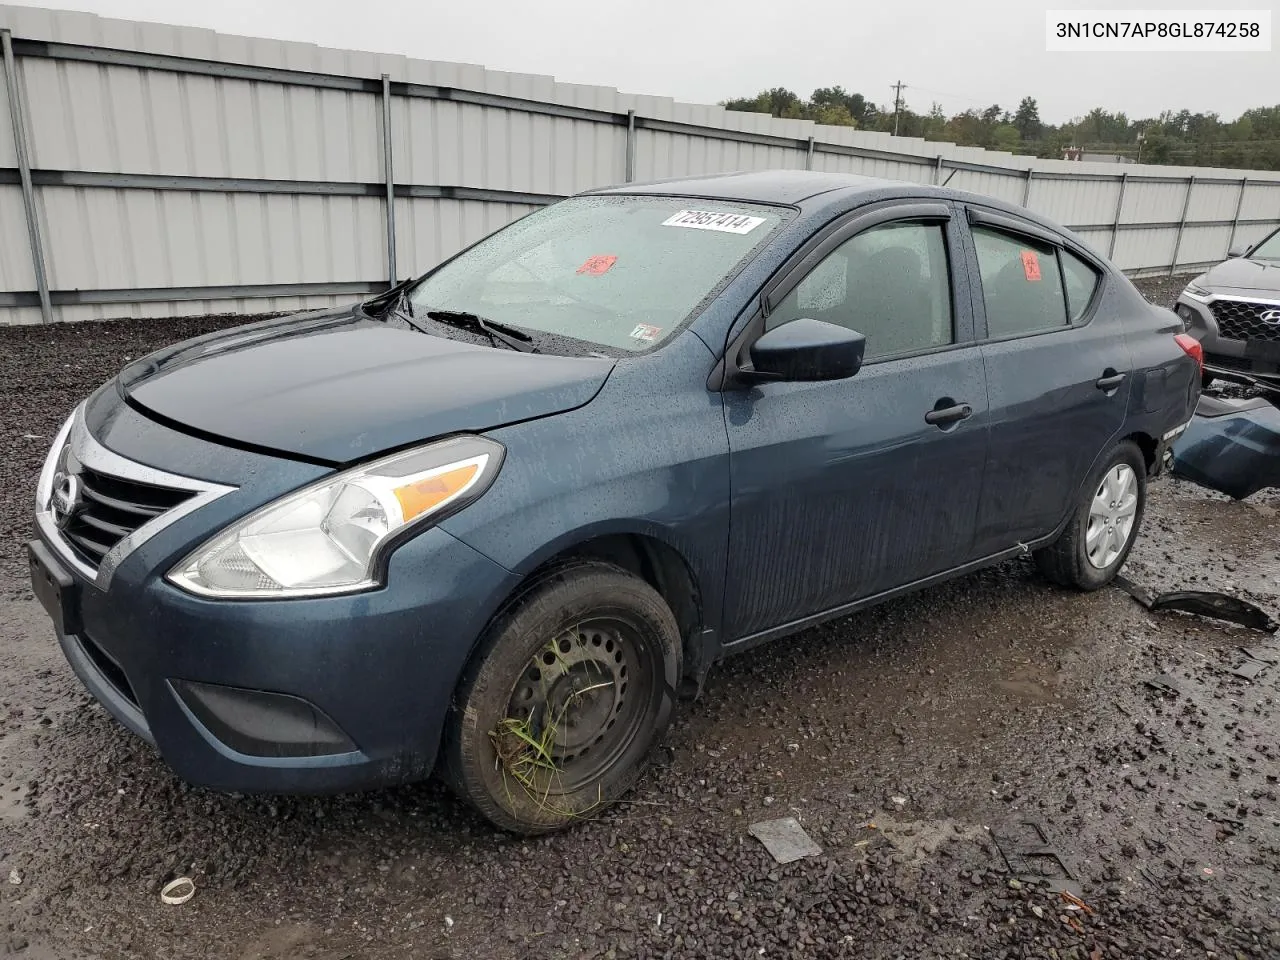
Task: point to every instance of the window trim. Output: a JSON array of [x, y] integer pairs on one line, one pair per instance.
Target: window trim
[[1000, 222], [826, 239]]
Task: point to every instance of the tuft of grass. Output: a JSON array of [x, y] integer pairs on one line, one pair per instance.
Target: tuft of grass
[[526, 755]]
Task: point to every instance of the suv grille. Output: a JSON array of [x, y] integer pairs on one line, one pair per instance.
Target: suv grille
[[110, 508], [1241, 320]]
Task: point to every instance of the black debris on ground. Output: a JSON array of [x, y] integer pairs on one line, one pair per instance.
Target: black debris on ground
[[914, 743]]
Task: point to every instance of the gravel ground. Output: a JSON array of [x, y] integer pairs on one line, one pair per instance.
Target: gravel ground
[[914, 743]]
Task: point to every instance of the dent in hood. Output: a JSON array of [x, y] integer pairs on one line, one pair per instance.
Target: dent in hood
[[1244, 274], [334, 387]]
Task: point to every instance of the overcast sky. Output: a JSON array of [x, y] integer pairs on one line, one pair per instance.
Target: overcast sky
[[961, 54]]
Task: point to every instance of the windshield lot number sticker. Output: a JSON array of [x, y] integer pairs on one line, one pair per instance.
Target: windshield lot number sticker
[[1031, 265], [597, 265], [707, 220], [646, 332]]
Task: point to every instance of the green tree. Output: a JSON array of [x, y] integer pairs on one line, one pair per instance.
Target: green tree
[[1027, 119]]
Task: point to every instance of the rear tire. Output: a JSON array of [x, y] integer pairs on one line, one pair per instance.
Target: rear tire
[[1104, 524], [569, 688]]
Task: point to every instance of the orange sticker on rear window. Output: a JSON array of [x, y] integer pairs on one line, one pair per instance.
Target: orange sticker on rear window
[[1031, 265], [600, 263]]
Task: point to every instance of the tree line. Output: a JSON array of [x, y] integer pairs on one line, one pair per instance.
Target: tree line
[[1251, 141]]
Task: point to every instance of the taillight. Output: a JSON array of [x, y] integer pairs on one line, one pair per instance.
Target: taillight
[[1191, 346]]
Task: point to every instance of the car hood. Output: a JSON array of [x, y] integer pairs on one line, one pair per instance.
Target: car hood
[[1245, 274], [335, 387]]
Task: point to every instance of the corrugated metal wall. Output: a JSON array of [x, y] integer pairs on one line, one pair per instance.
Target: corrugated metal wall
[[182, 171]]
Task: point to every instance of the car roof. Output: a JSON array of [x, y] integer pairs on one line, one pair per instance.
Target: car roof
[[758, 186], [831, 192]]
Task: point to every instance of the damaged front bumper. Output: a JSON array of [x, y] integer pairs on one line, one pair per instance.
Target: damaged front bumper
[[1232, 446]]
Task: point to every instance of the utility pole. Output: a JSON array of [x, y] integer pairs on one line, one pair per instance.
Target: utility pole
[[897, 103]]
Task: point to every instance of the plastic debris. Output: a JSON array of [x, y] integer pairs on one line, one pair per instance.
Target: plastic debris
[[1032, 859], [1204, 603], [785, 839], [1161, 685], [177, 892]]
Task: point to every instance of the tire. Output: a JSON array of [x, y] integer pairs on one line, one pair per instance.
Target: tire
[[1067, 561], [585, 658]]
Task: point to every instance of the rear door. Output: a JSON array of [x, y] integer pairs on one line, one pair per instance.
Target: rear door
[[1058, 375], [843, 489]]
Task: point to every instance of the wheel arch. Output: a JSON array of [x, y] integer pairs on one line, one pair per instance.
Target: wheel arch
[[648, 554]]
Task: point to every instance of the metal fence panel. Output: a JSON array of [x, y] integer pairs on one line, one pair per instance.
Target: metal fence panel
[[178, 170], [16, 269]]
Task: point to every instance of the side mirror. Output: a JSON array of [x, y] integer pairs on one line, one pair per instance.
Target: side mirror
[[1238, 250], [807, 349]]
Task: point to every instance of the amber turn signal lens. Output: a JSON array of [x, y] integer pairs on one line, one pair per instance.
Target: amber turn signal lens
[[422, 495]]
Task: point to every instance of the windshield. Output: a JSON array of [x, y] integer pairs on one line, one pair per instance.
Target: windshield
[[1269, 249], [618, 271]]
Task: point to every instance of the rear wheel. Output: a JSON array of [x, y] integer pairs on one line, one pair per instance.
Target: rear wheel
[[1104, 525], [569, 688]]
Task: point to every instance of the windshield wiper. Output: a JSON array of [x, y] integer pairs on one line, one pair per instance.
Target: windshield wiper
[[497, 332], [402, 309]]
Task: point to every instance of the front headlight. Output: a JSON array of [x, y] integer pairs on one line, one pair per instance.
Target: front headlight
[[329, 537]]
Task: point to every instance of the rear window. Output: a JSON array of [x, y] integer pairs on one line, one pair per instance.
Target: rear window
[[1021, 285], [618, 271]]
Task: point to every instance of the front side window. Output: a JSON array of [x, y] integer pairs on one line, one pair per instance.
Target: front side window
[[889, 283], [617, 271], [1021, 285]]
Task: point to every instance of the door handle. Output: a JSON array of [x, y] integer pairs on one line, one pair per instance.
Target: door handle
[[961, 411], [1109, 381]]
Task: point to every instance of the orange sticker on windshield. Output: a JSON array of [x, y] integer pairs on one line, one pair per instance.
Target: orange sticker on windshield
[[1030, 265], [597, 265]]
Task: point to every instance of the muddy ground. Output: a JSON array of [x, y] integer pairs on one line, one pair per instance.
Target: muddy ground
[[913, 742]]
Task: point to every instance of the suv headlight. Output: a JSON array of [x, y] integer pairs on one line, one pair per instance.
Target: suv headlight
[[329, 537]]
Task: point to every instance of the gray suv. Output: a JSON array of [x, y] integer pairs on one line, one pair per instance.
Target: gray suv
[[1234, 311]]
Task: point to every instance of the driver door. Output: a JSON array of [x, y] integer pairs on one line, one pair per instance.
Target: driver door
[[845, 489]]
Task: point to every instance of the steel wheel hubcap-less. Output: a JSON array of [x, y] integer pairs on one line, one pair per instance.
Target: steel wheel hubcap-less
[[585, 692], [1111, 516]]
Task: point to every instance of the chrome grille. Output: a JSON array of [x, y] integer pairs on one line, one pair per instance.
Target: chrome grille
[[1242, 320], [110, 508], [95, 507]]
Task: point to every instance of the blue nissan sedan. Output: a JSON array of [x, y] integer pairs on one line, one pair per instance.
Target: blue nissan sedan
[[498, 519]]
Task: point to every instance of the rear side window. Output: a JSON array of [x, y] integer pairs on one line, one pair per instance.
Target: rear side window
[[1081, 280], [889, 283], [1021, 284]]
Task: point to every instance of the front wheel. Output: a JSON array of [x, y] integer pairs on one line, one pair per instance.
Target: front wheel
[[570, 686], [1104, 525]]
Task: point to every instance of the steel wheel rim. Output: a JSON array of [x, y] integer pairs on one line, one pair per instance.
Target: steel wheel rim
[[1112, 513], [584, 695]]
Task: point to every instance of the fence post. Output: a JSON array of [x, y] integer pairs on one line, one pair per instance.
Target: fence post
[[1026, 188], [1115, 227], [1235, 221], [1182, 223], [388, 172], [24, 174], [631, 146]]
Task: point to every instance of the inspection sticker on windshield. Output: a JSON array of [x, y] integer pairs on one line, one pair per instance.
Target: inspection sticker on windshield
[[706, 220], [646, 332]]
